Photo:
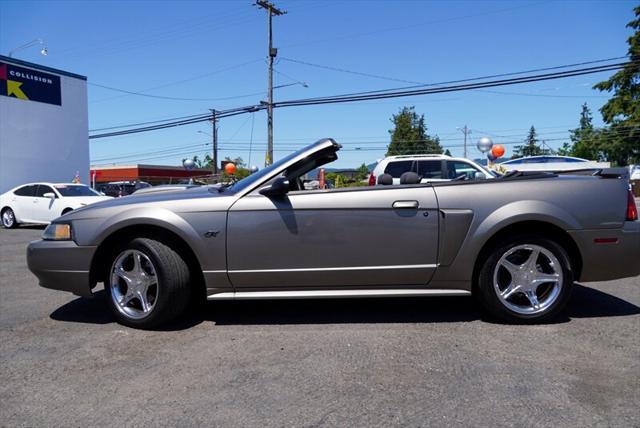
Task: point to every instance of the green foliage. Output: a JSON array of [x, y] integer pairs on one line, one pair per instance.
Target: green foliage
[[530, 146], [362, 172], [586, 140], [239, 162], [205, 162], [409, 135], [621, 141], [447, 152]]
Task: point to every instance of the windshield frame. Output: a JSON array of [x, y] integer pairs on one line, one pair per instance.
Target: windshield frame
[[59, 187], [256, 179]]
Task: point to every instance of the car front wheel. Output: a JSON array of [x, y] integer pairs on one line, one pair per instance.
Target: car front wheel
[[147, 284], [8, 219], [527, 280]]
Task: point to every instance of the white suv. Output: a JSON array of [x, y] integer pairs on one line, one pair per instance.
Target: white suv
[[429, 168]]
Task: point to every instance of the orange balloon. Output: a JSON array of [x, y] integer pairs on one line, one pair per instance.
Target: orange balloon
[[230, 168], [497, 150]]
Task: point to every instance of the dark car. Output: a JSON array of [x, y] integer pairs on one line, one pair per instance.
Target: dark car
[[121, 188]]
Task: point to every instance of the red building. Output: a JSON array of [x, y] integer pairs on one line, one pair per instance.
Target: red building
[[154, 174]]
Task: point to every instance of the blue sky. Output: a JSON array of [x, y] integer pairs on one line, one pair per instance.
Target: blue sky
[[216, 50]]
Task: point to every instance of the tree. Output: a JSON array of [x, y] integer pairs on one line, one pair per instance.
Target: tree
[[585, 139], [239, 162], [447, 152], [409, 135], [205, 162], [621, 141], [362, 172], [530, 146]]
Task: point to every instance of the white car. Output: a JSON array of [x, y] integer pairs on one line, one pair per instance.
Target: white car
[[40, 203], [429, 168], [552, 163]]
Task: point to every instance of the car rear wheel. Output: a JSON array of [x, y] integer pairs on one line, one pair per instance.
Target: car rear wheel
[[147, 284], [526, 280], [8, 219]]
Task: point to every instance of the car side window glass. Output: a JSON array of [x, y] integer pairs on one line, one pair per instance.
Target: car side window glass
[[456, 169], [397, 168], [42, 190], [25, 191], [430, 168]]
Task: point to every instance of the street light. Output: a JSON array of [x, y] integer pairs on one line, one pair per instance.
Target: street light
[[43, 51], [303, 84]]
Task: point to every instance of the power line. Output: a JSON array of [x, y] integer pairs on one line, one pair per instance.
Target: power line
[[219, 114], [382, 94], [492, 76], [143, 93]]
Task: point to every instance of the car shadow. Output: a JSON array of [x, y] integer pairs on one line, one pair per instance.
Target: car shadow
[[586, 302], [32, 226]]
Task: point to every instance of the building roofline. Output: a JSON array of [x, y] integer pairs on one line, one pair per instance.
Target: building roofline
[[41, 67], [143, 166]]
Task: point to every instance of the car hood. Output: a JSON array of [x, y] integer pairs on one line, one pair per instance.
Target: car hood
[[86, 200], [170, 200]]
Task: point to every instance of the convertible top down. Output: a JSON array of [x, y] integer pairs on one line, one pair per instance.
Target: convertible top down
[[517, 242]]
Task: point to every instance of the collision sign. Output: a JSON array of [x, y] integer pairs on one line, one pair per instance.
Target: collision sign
[[31, 85]]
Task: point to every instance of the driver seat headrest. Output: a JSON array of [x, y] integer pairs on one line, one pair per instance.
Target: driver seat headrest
[[410, 177], [385, 179]]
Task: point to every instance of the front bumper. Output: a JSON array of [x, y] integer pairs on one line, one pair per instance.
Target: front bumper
[[609, 260], [61, 265]]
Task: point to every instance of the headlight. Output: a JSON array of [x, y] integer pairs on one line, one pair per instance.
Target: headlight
[[57, 232]]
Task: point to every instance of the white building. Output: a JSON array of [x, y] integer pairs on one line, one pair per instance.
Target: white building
[[43, 124]]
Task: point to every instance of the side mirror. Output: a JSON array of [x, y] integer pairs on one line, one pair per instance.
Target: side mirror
[[480, 176], [278, 188], [49, 195]]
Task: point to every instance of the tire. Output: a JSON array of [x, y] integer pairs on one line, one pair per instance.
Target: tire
[[510, 284], [9, 219], [161, 277], [66, 210]]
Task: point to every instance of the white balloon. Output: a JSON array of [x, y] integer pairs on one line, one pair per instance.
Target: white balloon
[[188, 164], [485, 144]]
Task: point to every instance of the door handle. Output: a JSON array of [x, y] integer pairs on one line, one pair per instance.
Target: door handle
[[405, 205]]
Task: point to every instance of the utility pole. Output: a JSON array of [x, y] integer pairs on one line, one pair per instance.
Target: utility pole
[[273, 52], [466, 131], [214, 138]]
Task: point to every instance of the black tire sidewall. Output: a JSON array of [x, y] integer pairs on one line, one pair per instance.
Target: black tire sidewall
[[173, 283], [487, 292]]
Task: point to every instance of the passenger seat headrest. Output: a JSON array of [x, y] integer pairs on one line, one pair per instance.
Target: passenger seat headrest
[[385, 179], [410, 177]]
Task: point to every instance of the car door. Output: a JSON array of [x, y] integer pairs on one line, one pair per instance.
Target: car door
[[21, 202], [360, 237], [45, 209]]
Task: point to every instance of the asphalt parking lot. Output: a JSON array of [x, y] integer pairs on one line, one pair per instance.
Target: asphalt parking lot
[[410, 362]]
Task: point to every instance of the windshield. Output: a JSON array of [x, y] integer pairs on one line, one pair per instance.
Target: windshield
[[257, 176], [73, 190]]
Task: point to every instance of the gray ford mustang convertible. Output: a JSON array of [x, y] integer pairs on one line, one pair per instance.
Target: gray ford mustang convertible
[[517, 242]]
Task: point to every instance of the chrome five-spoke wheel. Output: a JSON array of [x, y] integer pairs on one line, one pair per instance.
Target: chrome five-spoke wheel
[[528, 279], [134, 284]]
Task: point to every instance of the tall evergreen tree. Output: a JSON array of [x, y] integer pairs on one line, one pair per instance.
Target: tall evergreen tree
[[409, 135], [530, 146], [585, 139], [621, 142]]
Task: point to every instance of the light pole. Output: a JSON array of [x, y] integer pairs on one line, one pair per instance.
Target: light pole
[[466, 131], [214, 138], [43, 51]]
